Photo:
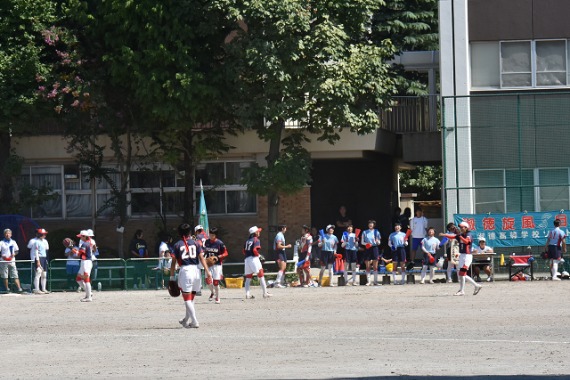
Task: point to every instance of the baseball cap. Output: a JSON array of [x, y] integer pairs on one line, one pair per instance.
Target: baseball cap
[[89, 233], [330, 226], [254, 229], [198, 227], [41, 231], [482, 239], [464, 224], [82, 233]]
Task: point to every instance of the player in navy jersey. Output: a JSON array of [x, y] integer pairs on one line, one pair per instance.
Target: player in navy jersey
[[252, 250], [187, 254], [85, 253], [465, 257], [214, 247]]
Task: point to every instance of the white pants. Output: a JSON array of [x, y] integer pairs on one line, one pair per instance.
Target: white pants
[[252, 265], [189, 278]]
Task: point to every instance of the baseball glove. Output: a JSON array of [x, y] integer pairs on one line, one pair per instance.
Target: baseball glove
[[68, 243], [211, 260], [173, 289]]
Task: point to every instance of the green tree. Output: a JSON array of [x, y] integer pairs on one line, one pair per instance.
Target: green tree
[[411, 25], [426, 181], [21, 62], [308, 61], [167, 58]]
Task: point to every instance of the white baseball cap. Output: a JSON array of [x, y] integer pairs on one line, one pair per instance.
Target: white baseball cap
[[330, 226], [82, 233], [464, 224], [482, 239], [89, 233], [254, 229], [198, 227]]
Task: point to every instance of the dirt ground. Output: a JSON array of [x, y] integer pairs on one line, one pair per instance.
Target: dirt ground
[[421, 331]]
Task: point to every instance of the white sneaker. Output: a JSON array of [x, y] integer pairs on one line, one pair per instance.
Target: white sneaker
[[87, 299], [555, 279], [80, 289], [305, 286], [183, 322], [459, 293], [477, 290], [355, 284], [217, 300], [211, 298], [422, 282], [267, 295], [278, 286], [249, 297], [431, 282], [368, 283], [449, 281], [351, 283], [192, 325], [332, 285], [489, 279]]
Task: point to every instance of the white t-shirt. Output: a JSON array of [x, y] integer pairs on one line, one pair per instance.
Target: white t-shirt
[[7, 249], [419, 227], [478, 250]]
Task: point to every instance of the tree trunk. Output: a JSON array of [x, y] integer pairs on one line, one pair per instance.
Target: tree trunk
[[272, 195], [6, 183], [188, 178]]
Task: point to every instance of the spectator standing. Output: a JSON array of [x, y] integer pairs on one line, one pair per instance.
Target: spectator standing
[[39, 248], [304, 265], [164, 259], [371, 241], [72, 264], [429, 245], [252, 251], [214, 247], [279, 247], [8, 251], [396, 217], [555, 245], [452, 251], [349, 242], [187, 253], [484, 263], [419, 225], [139, 250], [329, 245], [397, 242]]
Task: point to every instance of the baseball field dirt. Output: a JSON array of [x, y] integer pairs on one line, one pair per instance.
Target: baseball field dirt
[[421, 331]]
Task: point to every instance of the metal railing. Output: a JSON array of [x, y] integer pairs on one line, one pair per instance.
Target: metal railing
[[410, 114]]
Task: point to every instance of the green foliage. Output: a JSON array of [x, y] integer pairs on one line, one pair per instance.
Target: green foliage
[[426, 181], [21, 54], [312, 62], [411, 25]]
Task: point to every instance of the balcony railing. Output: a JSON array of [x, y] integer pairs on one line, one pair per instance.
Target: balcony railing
[[412, 114]]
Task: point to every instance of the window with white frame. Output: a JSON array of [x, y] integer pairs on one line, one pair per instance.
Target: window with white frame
[[153, 190], [520, 64], [513, 190], [222, 189]]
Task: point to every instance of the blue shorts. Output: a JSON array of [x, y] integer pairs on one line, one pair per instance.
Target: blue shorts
[[416, 243], [43, 263], [281, 256], [350, 256], [372, 253], [399, 255], [554, 252], [327, 257], [425, 260]]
